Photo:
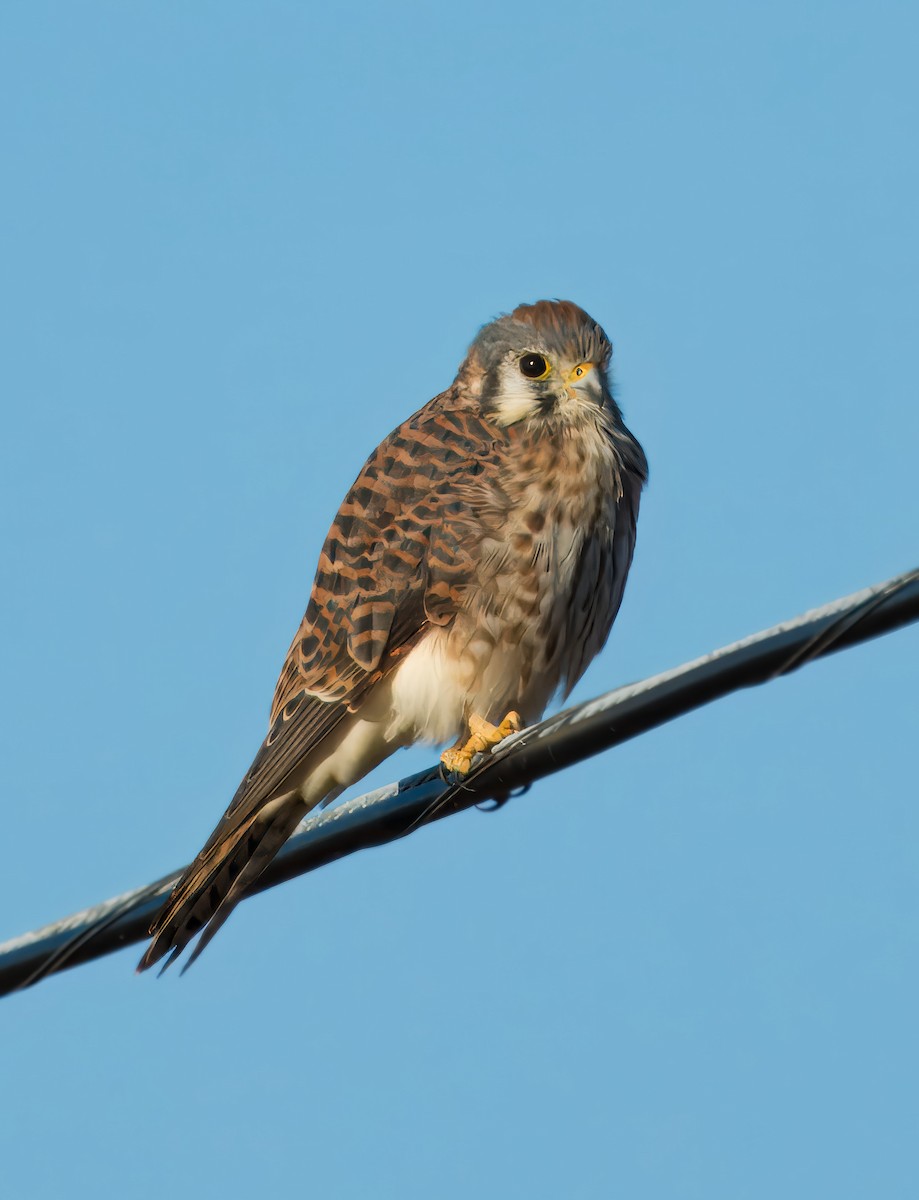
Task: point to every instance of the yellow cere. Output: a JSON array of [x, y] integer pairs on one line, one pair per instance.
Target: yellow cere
[[580, 371]]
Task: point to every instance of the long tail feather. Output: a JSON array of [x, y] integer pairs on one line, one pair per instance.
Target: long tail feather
[[216, 881], [272, 842]]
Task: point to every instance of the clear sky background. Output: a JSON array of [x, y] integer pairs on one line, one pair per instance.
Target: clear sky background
[[241, 242]]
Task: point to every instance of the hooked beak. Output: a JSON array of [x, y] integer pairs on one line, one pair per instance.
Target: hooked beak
[[584, 379]]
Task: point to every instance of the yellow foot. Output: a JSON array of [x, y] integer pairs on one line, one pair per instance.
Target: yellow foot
[[483, 736]]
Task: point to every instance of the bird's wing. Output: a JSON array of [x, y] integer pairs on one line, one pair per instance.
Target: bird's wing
[[604, 563], [394, 562]]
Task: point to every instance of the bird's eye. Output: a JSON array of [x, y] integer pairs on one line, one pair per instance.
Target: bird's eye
[[534, 366]]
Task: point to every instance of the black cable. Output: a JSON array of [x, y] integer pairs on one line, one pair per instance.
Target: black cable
[[556, 743]]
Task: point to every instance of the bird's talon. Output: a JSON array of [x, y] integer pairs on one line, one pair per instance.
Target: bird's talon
[[487, 735], [457, 761], [483, 736]]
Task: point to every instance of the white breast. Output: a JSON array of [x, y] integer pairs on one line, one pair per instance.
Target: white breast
[[428, 699], [512, 646]]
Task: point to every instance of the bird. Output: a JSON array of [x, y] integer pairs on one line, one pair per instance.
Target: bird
[[472, 573]]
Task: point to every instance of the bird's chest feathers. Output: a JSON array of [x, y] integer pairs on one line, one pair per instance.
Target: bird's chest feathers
[[548, 511], [563, 489]]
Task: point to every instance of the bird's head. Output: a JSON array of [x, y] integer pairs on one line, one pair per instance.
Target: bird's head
[[546, 360]]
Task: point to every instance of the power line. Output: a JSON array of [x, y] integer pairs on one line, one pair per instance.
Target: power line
[[577, 733]]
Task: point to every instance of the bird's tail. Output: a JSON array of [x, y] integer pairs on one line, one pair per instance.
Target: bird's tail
[[212, 886]]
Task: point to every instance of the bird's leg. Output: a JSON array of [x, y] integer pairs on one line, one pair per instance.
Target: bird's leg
[[482, 736]]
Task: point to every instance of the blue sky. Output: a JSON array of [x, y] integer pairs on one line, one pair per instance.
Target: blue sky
[[240, 242]]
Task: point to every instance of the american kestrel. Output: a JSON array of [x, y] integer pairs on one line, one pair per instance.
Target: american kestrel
[[474, 569]]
